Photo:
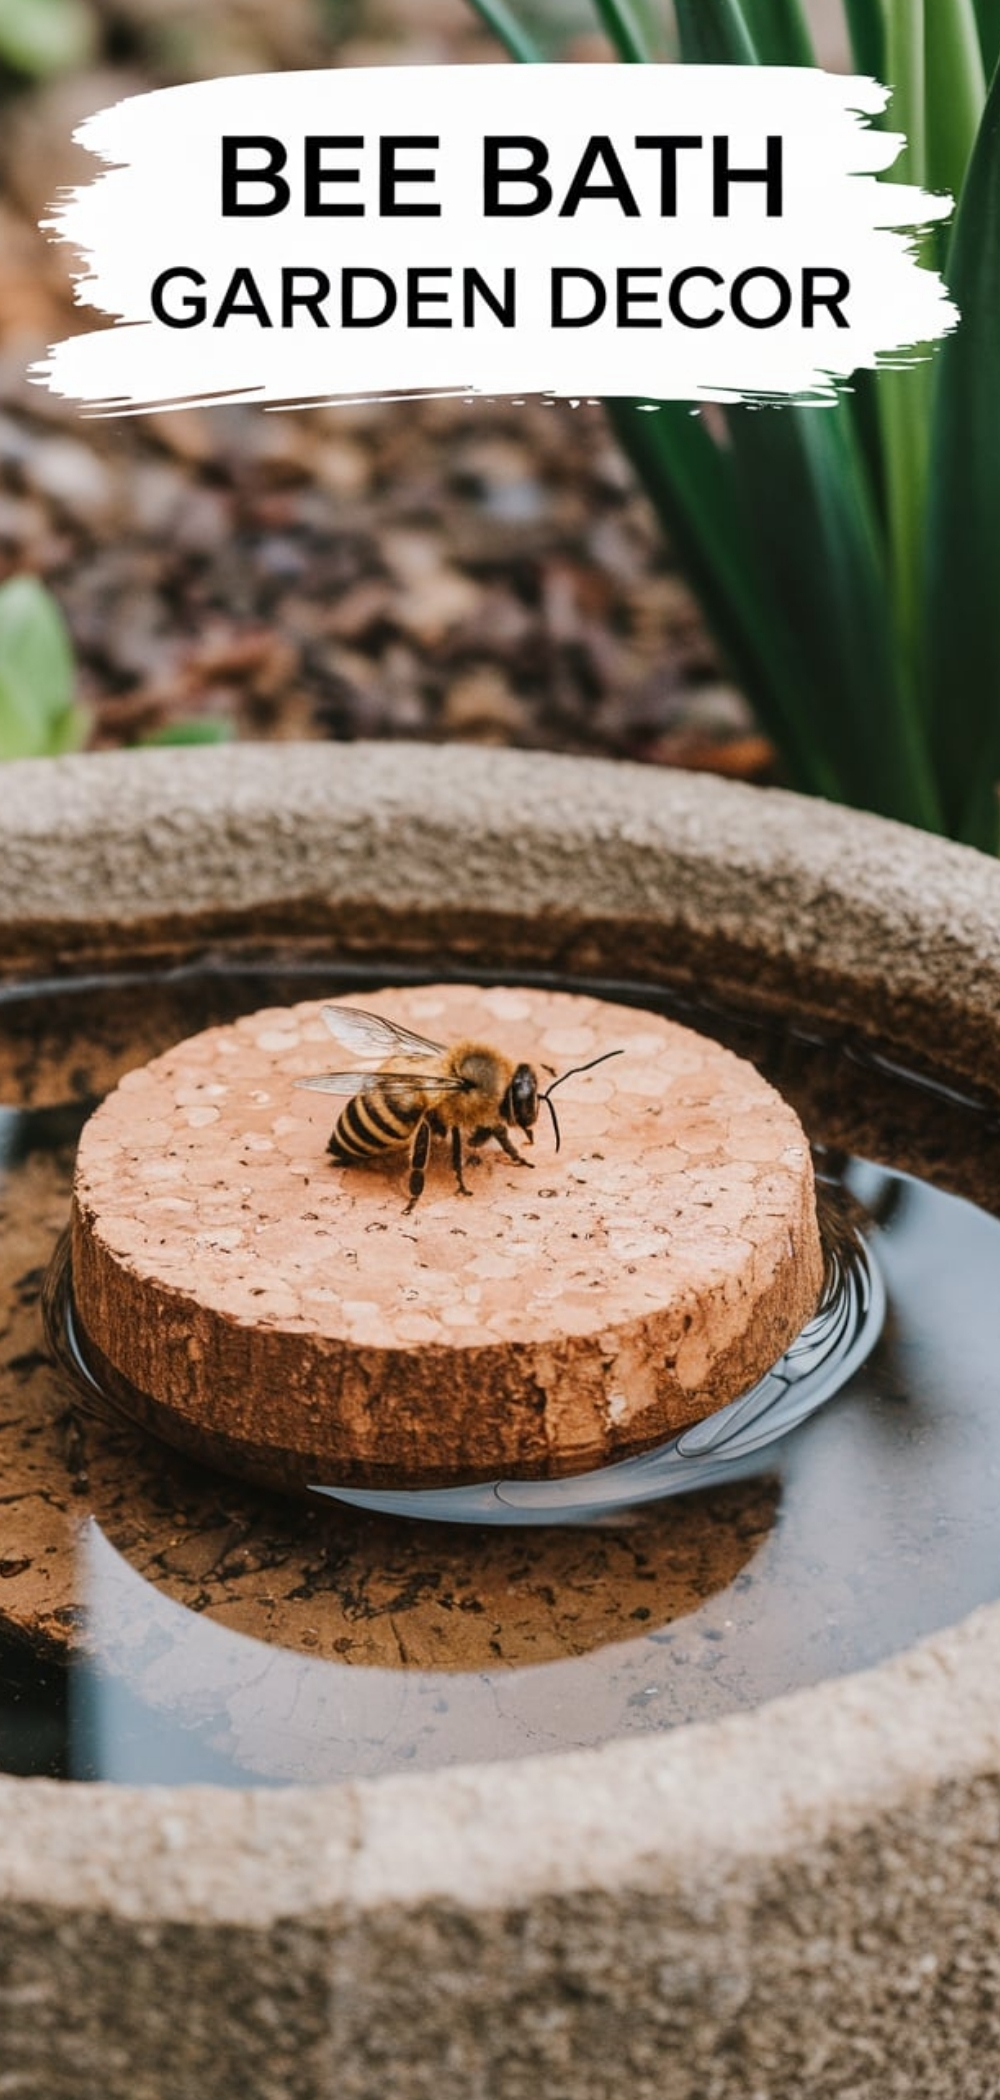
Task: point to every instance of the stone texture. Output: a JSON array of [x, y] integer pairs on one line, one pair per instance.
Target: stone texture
[[555, 862], [262, 1296], [803, 1900]]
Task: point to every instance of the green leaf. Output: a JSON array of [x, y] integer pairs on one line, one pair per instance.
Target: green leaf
[[955, 93], [39, 37], [691, 481], [904, 395], [512, 34], [866, 25], [806, 485], [779, 31], [37, 674], [714, 33], [191, 729], [625, 30], [848, 558], [905, 60], [963, 521], [988, 23], [776, 529]]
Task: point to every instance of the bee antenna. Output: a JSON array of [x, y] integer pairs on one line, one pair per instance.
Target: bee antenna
[[572, 1074], [551, 1110], [574, 1069]]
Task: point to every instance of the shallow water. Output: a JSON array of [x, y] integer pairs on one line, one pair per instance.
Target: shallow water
[[159, 1624]]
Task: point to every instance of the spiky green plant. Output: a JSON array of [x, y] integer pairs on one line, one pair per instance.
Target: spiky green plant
[[848, 558]]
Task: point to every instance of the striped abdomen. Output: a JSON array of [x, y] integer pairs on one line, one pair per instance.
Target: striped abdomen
[[373, 1123]]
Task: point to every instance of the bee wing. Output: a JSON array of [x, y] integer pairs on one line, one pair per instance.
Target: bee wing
[[366, 1082], [342, 1082], [372, 1036]]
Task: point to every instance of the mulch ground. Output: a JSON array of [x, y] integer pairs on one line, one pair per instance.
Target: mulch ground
[[438, 570]]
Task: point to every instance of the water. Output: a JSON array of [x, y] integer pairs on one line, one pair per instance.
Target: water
[[157, 1623]]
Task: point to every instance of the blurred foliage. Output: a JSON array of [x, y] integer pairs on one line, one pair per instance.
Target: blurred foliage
[[39, 717], [849, 556], [42, 37], [191, 729]]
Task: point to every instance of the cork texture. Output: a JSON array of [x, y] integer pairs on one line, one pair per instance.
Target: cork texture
[[252, 1289]]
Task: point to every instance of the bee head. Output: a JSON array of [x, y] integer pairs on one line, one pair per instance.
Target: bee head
[[520, 1102]]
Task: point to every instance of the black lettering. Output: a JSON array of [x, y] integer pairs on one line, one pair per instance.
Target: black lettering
[[723, 176], [349, 315], [617, 186], [389, 175], [242, 282], [812, 297], [312, 299], [417, 295], [668, 149], [560, 318], [474, 286], [495, 174], [679, 285], [317, 176], [739, 305], [627, 297], [192, 307], [235, 177]]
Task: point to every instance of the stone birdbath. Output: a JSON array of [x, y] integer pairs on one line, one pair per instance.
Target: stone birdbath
[[798, 1896]]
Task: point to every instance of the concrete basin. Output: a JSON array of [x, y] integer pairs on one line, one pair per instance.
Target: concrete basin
[[803, 1900]]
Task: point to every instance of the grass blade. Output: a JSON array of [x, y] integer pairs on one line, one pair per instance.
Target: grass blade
[[904, 395], [963, 525], [626, 32], [905, 61], [807, 488], [955, 65], [714, 33], [779, 32], [691, 481], [988, 23], [866, 26], [777, 533], [511, 33]]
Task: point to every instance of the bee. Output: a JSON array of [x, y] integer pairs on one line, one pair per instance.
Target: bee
[[464, 1090]]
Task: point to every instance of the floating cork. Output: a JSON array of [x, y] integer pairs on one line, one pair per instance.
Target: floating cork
[[284, 1317]]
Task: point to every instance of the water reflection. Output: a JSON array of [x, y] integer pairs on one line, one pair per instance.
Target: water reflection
[[510, 1643], [555, 1653], [224, 1635]]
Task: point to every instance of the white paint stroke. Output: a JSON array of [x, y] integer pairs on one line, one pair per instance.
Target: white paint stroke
[[156, 206]]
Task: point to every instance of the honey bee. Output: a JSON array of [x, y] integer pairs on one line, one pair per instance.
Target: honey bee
[[423, 1090]]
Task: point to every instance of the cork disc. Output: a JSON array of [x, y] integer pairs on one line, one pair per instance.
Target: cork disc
[[279, 1315]]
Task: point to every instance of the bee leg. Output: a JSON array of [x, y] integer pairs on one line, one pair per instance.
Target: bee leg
[[498, 1131], [456, 1158], [418, 1161]]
